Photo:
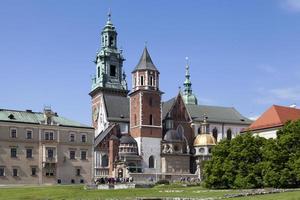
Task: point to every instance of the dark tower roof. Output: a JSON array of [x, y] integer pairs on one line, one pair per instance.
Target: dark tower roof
[[145, 62]]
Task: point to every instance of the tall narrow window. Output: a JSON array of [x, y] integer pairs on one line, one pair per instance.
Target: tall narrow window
[[28, 153], [229, 134], [15, 172], [72, 155], [13, 152], [150, 119], [215, 133], [111, 41], [50, 153], [98, 72], [13, 133], [29, 134], [33, 171], [151, 81], [113, 70], [151, 162], [104, 161], [2, 171], [142, 80], [83, 138], [83, 155], [77, 172]]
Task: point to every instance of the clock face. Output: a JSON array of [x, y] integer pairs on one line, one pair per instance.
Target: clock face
[[95, 114]]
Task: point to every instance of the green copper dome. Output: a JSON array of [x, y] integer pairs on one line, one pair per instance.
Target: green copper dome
[[190, 99]]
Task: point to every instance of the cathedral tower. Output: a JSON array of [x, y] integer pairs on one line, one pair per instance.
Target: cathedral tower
[[145, 112], [110, 79]]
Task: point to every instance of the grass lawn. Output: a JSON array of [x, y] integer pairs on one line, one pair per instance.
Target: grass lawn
[[77, 192]]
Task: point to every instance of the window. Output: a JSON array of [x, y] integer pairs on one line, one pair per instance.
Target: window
[[15, 172], [151, 162], [13, 133], [77, 172], [151, 81], [49, 169], [33, 171], [49, 136], [2, 171], [111, 41], [135, 121], [104, 161], [29, 134], [215, 133], [201, 150], [28, 153], [83, 155], [229, 134], [150, 120], [13, 152], [72, 155], [72, 137], [98, 72], [142, 80], [50, 153], [83, 138], [113, 70]]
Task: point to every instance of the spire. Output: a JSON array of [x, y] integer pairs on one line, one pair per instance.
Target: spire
[[188, 97], [204, 125], [109, 22], [187, 83], [145, 62]]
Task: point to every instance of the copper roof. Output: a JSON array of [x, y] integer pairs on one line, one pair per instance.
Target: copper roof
[[275, 116]]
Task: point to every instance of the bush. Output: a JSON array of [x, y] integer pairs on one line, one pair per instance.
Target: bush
[[163, 181]]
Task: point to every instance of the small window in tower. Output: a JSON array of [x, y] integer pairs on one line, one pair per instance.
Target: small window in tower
[[151, 81], [150, 119], [113, 70], [111, 41], [135, 121], [142, 80], [98, 72]]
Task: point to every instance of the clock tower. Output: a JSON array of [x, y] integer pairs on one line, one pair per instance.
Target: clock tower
[[109, 78]]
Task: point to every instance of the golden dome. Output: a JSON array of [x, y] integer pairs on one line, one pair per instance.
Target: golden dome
[[204, 140]]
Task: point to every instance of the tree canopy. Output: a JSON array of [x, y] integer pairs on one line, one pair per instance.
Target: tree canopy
[[249, 161]]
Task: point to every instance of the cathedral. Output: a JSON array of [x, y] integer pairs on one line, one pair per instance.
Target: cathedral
[[137, 134]]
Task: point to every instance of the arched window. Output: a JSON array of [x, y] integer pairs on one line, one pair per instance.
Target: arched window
[[229, 134], [151, 162], [142, 80], [151, 80], [215, 133], [104, 161], [150, 119]]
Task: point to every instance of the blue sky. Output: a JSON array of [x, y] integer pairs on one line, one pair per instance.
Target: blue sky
[[244, 54]]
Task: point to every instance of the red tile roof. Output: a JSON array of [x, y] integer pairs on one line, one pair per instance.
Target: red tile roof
[[275, 116]]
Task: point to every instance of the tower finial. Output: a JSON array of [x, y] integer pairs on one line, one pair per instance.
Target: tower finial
[[146, 43], [187, 82], [109, 16]]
